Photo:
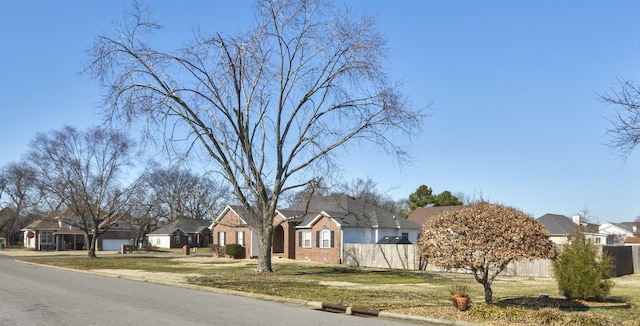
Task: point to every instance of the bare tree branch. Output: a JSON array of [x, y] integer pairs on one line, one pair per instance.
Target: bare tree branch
[[267, 106]]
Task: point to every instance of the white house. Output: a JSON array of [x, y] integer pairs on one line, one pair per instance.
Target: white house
[[563, 228], [618, 231]]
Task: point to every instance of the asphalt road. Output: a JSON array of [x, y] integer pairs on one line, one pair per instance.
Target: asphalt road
[[37, 295]]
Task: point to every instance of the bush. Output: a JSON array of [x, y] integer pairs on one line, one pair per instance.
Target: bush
[[234, 250], [580, 273], [548, 316], [585, 319], [217, 250]]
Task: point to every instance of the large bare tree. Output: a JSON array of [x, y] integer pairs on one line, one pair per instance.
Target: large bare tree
[[85, 172], [20, 195], [271, 107], [180, 193], [483, 238]]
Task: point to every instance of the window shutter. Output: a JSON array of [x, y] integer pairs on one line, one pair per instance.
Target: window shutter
[[318, 239], [299, 239], [332, 236]]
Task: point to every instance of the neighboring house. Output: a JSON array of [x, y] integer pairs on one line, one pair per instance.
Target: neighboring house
[[230, 227], [618, 231], [60, 232], [184, 231], [317, 231], [563, 229], [40, 234], [421, 215], [333, 221]]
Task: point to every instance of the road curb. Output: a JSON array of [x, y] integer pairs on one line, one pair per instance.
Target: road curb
[[361, 312], [429, 320]]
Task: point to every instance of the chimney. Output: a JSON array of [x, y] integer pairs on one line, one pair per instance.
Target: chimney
[[576, 219]]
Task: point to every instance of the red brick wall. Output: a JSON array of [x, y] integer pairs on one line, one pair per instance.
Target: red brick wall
[[286, 248], [289, 238], [324, 255], [231, 235]]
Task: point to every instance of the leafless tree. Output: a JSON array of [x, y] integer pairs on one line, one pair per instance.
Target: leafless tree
[[271, 108], [483, 238], [624, 128], [84, 171], [180, 193], [367, 190], [21, 195]]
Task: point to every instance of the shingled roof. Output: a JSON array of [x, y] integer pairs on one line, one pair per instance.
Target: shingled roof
[[185, 225], [422, 214], [558, 224], [352, 212]]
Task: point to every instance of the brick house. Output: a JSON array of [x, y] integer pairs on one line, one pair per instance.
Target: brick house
[[230, 227], [317, 231], [332, 221], [319, 238]]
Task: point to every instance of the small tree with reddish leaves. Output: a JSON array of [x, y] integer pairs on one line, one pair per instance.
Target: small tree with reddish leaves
[[483, 238]]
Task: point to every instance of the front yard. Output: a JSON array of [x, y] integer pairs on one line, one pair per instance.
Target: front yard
[[411, 292]]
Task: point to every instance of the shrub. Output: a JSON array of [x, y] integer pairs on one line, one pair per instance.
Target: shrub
[[585, 319], [548, 316], [217, 250], [580, 273], [460, 290], [234, 250]]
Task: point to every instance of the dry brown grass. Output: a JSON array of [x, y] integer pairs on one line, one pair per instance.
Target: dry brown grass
[[409, 292]]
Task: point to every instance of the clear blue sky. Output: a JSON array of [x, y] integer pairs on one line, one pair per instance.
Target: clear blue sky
[[513, 87]]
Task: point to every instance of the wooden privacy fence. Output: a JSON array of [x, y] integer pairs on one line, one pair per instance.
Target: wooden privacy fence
[[403, 256], [397, 256], [623, 259]]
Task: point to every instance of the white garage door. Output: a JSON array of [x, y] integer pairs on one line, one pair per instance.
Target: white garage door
[[114, 244]]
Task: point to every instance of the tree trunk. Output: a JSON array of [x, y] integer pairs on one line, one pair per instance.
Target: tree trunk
[[265, 240], [91, 242], [488, 293]]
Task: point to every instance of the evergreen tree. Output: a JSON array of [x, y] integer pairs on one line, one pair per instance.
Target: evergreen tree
[[580, 273]]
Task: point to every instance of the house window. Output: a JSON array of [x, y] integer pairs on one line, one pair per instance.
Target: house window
[[240, 238], [305, 239], [176, 239], [405, 235], [324, 238], [598, 240], [221, 239], [157, 241], [46, 237], [190, 239]]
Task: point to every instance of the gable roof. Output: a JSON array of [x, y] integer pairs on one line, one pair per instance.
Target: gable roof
[[239, 211], [46, 224], [422, 214], [616, 228], [347, 211], [185, 225], [558, 224], [629, 226]]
